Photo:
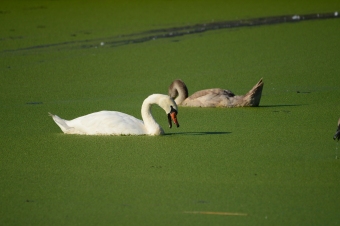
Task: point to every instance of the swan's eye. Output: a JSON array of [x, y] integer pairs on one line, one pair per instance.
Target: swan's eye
[[173, 109]]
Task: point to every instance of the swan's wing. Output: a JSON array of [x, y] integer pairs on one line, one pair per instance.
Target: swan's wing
[[212, 93], [107, 122], [208, 98]]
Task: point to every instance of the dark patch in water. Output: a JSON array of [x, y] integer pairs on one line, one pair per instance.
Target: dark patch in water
[[15, 37], [202, 201], [34, 103], [157, 167], [282, 111], [80, 33], [172, 32], [36, 7]]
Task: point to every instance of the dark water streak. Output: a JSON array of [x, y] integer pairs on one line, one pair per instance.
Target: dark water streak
[[180, 31]]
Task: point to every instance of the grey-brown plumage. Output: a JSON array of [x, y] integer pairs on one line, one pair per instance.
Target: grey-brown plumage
[[337, 133], [214, 97]]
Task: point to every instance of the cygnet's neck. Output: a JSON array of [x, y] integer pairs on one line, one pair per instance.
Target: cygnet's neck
[[179, 89]]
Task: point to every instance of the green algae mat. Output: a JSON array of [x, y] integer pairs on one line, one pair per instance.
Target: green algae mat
[[269, 165]]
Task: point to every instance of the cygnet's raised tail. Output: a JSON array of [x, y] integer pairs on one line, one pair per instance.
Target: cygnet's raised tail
[[253, 97]]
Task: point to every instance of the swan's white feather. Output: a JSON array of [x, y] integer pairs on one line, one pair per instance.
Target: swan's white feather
[[106, 122]]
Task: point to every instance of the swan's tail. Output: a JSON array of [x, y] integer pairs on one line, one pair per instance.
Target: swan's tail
[[60, 122], [253, 97]]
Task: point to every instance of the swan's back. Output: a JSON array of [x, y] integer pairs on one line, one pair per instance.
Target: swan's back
[[208, 98], [105, 123]]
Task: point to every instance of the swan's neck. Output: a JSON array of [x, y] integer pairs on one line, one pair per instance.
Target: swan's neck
[[179, 89], [152, 127]]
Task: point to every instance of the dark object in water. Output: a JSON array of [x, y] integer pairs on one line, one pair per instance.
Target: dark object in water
[[172, 32], [337, 133], [34, 102]]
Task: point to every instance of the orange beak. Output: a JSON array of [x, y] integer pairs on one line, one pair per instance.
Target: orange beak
[[172, 116]]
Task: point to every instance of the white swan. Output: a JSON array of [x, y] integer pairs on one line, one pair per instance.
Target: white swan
[[118, 123], [214, 97]]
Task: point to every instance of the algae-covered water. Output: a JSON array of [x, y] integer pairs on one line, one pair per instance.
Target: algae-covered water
[[270, 165]]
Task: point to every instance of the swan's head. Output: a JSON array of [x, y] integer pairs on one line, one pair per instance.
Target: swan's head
[[173, 116], [167, 103], [170, 107]]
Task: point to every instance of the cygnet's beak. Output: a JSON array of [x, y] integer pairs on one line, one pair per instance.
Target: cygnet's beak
[[172, 116]]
